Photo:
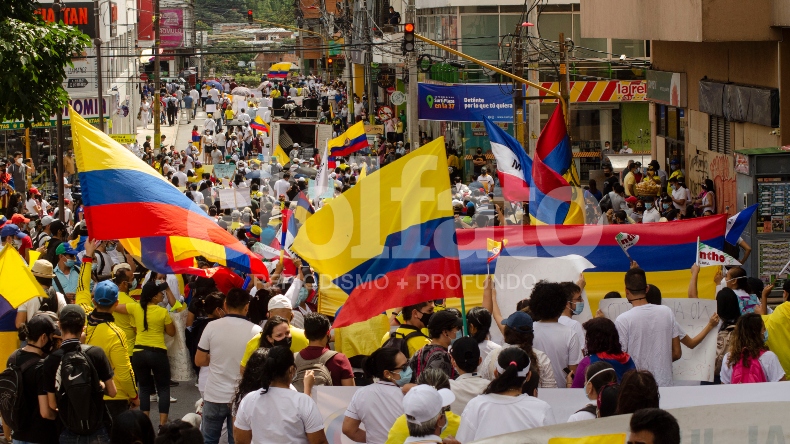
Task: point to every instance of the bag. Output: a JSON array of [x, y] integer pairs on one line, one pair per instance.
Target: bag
[[79, 393], [748, 370], [171, 105], [318, 366], [606, 203], [589, 408], [722, 346], [401, 341], [12, 397], [50, 303]]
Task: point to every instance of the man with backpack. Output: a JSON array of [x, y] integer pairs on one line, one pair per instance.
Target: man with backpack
[[44, 234], [103, 333], [54, 302], [444, 328], [329, 367], [67, 271], [76, 378], [21, 385], [409, 337]]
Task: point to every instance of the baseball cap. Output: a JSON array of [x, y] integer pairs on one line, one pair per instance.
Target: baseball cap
[[11, 230], [65, 248], [631, 199], [518, 320], [72, 311], [19, 219], [42, 323], [46, 220], [105, 293], [674, 162], [279, 301], [465, 350], [34, 190], [654, 164], [424, 403]]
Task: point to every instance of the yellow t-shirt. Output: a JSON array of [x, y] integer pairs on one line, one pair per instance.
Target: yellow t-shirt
[[414, 343], [229, 114], [629, 181], [157, 317], [400, 430], [126, 322], [298, 343], [777, 324]]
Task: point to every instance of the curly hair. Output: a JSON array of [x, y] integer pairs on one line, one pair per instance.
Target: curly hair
[[602, 336], [747, 339], [638, 390], [547, 300]]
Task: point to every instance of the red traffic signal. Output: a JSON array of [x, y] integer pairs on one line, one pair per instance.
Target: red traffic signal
[[408, 37], [249, 16], [408, 27]]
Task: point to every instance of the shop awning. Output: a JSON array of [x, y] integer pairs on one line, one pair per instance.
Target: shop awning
[[767, 150]]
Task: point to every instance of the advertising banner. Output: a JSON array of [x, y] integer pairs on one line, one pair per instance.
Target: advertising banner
[[87, 108], [465, 103], [667, 88], [607, 91], [172, 28], [145, 20], [81, 78], [79, 14]]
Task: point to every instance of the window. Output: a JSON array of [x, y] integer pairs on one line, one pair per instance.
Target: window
[[480, 36], [719, 135], [551, 25], [587, 48], [631, 48]]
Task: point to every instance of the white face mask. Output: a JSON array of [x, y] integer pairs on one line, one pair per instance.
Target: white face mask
[[19, 161]]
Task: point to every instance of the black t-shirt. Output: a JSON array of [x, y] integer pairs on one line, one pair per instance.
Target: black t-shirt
[[609, 183], [478, 167], [34, 428]]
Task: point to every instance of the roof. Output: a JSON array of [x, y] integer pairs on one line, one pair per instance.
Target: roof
[[766, 150]]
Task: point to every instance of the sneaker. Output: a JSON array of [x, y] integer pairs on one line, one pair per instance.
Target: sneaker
[[154, 398], [172, 400]]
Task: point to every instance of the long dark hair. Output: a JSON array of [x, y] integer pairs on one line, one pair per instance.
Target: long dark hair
[[481, 319], [276, 366], [132, 427], [602, 337], [150, 291], [523, 340], [252, 376], [727, 307], [268, 329], [512, 360], [380, 360], [747, 339], [638, 390]]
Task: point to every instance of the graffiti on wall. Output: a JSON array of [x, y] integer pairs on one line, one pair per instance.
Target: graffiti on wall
[[721, 169]]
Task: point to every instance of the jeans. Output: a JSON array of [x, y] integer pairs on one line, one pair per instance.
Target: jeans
[[152, 360], [214, 415], [100, 437]]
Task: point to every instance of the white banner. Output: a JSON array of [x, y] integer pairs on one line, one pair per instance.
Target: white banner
[[692, 315], [234, 198]]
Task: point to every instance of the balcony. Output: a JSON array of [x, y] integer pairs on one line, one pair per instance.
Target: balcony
[[685, 20]]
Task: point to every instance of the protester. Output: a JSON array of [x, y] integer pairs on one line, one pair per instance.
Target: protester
[[132, 427], [777, 324], [596, 376], [574, 307], [603, 345], [317, 356], [653, 426], [290, 416], [212, 305], [378, 405], [503, 408], [444, 328], [410, 335], [465, 357], [179, 432], [748, 358], [479, 323], [638, 390], [403, 428]]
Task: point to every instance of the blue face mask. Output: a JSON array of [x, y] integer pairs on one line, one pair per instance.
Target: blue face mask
[[303, 293], [70, 263], [405, 377], [458, 335], [648, 205], [133, 285], [765, 336], [579, 308], [665, 206]]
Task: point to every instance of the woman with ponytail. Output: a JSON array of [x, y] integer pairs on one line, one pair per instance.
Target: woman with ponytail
[[479, 322], [150, 352], [597, 375], [290, 416], [213, 305], [503, 407]]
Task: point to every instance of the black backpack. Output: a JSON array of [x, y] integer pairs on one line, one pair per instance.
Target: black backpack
[[12, 388], [401, 341], [49, 303], [79, 393]]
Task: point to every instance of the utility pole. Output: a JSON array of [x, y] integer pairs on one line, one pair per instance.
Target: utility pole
[[368, 62], [58, 9], [155, 95], [518, 104], [349, 68], [97, 44], [564, 85], [412, 116], [532, 57]]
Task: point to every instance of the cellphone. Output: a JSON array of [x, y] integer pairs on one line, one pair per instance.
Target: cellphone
[[567, 371]]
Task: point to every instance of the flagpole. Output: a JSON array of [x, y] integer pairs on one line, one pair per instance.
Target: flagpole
[[696, 259]]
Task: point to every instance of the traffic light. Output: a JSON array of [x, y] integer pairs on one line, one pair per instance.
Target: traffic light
[[329, 63], [408, 37], [249, 16]]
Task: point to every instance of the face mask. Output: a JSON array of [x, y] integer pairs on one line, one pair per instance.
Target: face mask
[[665, 206], [648, 206], [284, 342], [17, 243], [47, 348], [19, 161], [110, 247], [303, 293], [426, 318], [133, 285], [765, 336], [70, 263], [579, 308], [160, 281], [444, 427], [405, 377], [458, 335]]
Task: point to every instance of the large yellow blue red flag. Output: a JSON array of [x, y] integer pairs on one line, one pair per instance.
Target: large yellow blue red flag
[[387, 242], [353, 140], [128, 200], [259, 125]]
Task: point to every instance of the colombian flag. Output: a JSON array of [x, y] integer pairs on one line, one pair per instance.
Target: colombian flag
[[353, 140], [666, 251], [259, 125], [303, 209], [126, 199], [387, 242], [279, 70]]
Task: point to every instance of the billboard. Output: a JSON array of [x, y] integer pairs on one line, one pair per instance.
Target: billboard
[[171, 31], [79, 14], [465, 103], [86, 107], [145, 19], [599, 91]]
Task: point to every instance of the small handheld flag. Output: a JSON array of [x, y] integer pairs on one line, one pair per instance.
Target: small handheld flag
[[626, 241], [495, 248], [708, 256], [737, 223]]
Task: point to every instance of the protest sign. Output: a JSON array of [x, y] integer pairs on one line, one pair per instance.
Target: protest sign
[[224, 170], [211, 108], [234, 198], [515, 277], [311, 193], [692, 315]]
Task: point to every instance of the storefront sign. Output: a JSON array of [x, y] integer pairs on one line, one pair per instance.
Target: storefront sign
[[79, 14], [667, 88], [374, 130], [479, 128], [465, 103], [81, 78], [603, 91], [124, 138], [172, 28], [87, 108]]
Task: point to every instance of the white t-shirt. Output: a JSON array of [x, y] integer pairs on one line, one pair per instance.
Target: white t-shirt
[[278, 416], [681, 193], [487, 180], [769, 361], [214, 93], [31, 306], [225, 340], [486, 347], [491, 415], [30, 205], [650, 216], [576, 326], [646, 333], [281, 187], [561, 344], [182, 178], [581, 416], [465, 388], [377, 406], [626, 150]]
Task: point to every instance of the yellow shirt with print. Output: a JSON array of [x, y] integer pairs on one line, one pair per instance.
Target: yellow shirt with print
[[110, 338], [298, 343], [157, 317], [400, 429], [126, 322]]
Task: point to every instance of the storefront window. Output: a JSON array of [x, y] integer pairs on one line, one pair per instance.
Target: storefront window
[[631, 48], [507, 23], [480, 36], [585, 125]]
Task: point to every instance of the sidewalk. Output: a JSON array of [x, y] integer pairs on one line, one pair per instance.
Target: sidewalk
[[179, 134]]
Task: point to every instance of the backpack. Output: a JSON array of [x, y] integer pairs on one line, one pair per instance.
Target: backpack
[[401, 341], [50, 303], [12, 398], [79, 393], [606, 202], [748, 370], [589, 408], [171, 105], [317, 365]]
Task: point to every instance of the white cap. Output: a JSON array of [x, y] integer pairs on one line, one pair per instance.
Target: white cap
[[423, 403], [279, 301], [46, 220]]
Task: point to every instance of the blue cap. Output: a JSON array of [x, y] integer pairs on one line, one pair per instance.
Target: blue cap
[[11, 230], [519, 321], [105, 293]]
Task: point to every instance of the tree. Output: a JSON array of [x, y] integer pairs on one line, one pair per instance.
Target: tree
[[33, 55]]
